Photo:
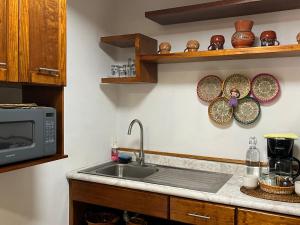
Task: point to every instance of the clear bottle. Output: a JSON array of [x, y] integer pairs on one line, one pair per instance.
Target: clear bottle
[[253, 158]]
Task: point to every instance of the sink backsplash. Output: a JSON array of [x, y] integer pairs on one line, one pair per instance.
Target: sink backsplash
[[196, 164]]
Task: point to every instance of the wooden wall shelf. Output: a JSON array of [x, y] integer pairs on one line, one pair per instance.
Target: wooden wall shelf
[[226, 54], [219, 9], [123, 80], [32, 162], [145, 72]]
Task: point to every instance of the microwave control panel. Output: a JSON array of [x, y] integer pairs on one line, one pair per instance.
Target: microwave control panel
[[50, 132]]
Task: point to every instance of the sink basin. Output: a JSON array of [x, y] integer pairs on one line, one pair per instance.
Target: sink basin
[[171, 176], [132, 171]]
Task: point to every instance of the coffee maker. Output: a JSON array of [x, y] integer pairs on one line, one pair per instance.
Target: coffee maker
[[281, 161]]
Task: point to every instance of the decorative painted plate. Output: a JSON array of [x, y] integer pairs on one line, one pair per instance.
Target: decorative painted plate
[[247, 111], [239, 82], [209, 88], [219, 111], [265, 87]]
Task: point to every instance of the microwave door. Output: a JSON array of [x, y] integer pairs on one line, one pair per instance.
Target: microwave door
[[14, 135]]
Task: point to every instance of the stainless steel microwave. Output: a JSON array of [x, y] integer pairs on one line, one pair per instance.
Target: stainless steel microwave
[[27, 134]]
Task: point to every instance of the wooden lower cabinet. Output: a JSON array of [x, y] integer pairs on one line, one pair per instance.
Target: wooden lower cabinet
[[147, 203], [163, 209], [197, 212], [252, 217]]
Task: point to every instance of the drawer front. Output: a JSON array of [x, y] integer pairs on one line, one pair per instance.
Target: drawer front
[[120, 198], [196, 212], [251, 217]]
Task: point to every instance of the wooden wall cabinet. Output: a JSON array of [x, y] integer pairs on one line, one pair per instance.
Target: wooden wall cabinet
[[42, 37], [33, 54], [9, 40]]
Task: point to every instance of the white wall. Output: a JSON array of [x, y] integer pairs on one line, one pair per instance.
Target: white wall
[[174, 119], [39, 195]]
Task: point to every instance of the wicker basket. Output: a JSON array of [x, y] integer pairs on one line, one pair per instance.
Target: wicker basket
[[277, 190], [101, 218]]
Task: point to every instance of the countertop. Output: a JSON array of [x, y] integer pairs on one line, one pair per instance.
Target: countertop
[[229, 194]]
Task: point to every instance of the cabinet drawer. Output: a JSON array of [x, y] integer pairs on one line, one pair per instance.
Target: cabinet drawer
[[251, 217], [120, 198], [196, 212]]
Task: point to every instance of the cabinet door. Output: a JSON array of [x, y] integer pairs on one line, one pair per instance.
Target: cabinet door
[[200, 213], [252, 217], [43, 41], [9, 40]]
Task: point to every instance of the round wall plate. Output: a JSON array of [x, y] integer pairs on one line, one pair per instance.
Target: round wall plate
[[209, 88], [239, 82], [220, 112], [265, 87], [247, 111]]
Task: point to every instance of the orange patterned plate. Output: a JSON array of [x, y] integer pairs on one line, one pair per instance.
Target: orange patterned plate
[[220, 112], [209, 88]]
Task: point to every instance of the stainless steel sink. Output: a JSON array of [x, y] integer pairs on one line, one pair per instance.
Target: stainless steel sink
[[163, 175], [132, 170]]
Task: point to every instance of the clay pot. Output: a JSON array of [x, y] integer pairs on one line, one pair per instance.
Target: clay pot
[[298, 38], [243, 37], [216, 42], [192, 46], [164, 48], [269, 38]]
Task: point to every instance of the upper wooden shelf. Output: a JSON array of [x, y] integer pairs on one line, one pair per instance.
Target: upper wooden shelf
[[121, 41], [226, 54], [219, 9]]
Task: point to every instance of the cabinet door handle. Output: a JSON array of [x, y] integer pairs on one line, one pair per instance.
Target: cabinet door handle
[[198, 216], [2, 64], [47, 71]]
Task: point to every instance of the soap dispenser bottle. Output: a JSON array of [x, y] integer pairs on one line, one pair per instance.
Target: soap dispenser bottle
[[253, 158], [114, 151]]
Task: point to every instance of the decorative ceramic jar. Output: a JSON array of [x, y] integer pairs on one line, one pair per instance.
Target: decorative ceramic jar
[[216, 42], [269, 38], [243, 37], [192, 46], [298, 38], [164, 48]]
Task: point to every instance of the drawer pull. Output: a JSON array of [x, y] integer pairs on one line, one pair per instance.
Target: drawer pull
[[47, 71], [198, 216], [2, 64]]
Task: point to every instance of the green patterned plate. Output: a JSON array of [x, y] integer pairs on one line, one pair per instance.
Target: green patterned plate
[[248, 111]]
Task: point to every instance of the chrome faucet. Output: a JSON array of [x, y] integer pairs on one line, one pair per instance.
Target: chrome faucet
[[141, 158]]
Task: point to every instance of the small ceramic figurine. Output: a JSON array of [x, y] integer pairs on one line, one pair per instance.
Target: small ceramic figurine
[[192, 46], [216, 42], [298, 38], [164, 48], [234, 95], [269, 38]]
